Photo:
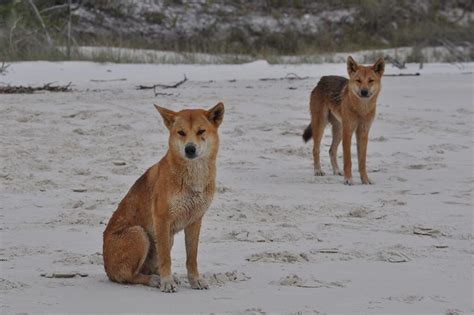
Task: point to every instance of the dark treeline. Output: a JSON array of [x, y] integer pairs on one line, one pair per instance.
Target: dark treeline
[[33, 29]]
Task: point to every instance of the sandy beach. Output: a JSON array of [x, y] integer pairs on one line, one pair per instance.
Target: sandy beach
[[276, 239]]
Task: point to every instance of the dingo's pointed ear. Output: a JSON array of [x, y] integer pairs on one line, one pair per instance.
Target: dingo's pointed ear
[[168, 116], [352, 66], [216, 114], [379, 66]]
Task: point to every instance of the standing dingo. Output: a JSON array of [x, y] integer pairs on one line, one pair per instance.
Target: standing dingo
[[349, 105]]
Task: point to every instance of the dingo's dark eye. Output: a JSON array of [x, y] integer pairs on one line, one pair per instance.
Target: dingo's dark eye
[[359, 81], [182, 133], [371, 81], [200, 132]]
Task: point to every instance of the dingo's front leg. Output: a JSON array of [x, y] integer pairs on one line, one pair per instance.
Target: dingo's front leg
[[192, 239], [362, 135], [347, 130], [163, 249]]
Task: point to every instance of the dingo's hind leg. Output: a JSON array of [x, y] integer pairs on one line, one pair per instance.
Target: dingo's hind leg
[[336, 140], [124, 255], [318, 123]]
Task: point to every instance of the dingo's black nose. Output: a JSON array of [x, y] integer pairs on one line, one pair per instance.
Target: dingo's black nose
[[190, 150], [364, 92]]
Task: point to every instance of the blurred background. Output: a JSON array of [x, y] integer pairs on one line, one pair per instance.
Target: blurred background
[[235, 31]]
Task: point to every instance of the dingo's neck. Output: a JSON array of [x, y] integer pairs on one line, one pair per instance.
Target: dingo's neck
[[361, 105], [192, 174]]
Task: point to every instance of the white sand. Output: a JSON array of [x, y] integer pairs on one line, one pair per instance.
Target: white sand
[[276, 238]]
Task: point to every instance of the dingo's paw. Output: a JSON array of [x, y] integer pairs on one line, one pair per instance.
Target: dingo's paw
[[319, 173], [168, 285], [198, 283], [155, 281], [348, 181], [367, 181]]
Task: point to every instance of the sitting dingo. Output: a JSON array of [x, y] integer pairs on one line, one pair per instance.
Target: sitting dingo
[[171, 196]]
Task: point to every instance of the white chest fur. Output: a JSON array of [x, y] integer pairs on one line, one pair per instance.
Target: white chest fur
[[193, 199], [186, 207]]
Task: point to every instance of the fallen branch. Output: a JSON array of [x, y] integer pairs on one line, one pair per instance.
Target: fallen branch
[[426, 231], [161, 93], [111, 80], [294, 76], [289, 76], [402, 75], [20, 89], [327, 251], [63, 275], [163, 86]]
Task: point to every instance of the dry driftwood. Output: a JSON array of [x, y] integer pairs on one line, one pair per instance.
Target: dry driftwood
[[402, 75], [289, 76], [163, 86], [427, 231], [64, 275], [162, 94], [109, 80], [20, 89]]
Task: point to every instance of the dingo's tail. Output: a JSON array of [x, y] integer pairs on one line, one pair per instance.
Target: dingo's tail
[[308, 133]]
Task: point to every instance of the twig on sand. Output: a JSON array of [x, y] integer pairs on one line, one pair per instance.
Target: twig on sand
[[161, 93], [326, 251], [20, 89], [402, 75], [111, 80], [163, 86], [294, 76], [426, 231], [64, 275], [289, 76]]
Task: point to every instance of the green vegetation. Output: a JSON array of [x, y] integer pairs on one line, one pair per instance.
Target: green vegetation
[[22, 36], [154, 17], [371, 24]]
